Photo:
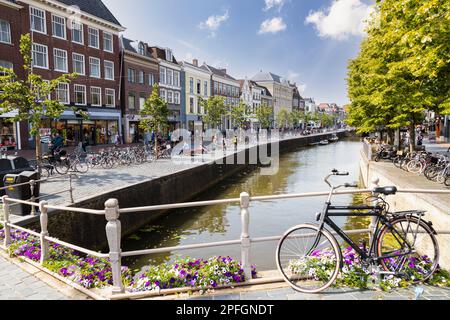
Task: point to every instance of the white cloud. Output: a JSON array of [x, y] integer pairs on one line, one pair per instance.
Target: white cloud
[[214, 22], [344, 18], [274, 4], [293, 76], [273, 25], [302, 88]]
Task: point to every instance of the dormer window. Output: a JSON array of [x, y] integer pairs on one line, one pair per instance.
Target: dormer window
[[141, 49], [169, 56]]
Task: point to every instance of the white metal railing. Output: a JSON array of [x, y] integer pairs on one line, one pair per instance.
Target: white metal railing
[[113, 227]]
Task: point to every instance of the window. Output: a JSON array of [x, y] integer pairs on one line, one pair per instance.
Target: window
[[62, 93], [80, 94], [216, 88], [199, 87], [169, 56], [94, 66], [162, 94], [191, 105], [59, 27], [141, 77], [176, 78], [131, 75], [96, 96], [142, 99], [170, 77], [37, 20], [60, 60], [151, 79], [108, 42], [40, 56], [169, 96], [205, 88], [141, 49], [93, 38], [162, 75], [177, 97], [78, 64], [191, 85], [77, 32], [5, 31], [109, 70], [6, 65], [110, 97], [131, 100]]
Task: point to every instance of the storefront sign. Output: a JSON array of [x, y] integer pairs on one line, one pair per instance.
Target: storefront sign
[[45, 132]]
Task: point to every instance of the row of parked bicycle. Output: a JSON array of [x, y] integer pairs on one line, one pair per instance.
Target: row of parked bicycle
[[434, 166], [59, 162]]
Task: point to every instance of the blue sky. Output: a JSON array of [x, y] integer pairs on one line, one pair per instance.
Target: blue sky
[[307, 41]]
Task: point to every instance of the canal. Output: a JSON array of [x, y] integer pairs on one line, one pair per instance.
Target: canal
[[301, 170]]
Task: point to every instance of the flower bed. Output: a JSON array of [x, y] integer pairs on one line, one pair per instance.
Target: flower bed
[[354, 274], [91, 272]]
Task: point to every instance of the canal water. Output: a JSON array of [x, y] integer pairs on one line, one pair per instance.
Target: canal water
[[302, 170]]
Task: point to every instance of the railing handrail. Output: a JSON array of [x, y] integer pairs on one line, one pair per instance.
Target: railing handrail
[[113, 228]]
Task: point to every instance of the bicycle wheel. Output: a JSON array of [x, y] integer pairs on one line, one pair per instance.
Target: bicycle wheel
[[81, 167], [415, 166], [447, 181], [418, 263], [308, 266], [62, 167]]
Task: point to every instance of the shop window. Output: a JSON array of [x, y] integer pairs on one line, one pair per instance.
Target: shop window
[[7, 134]]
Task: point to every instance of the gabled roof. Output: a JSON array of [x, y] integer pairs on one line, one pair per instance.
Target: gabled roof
[[194, 66], [160, 53], [129, 45], [220, 72], [267, 76], [95, 7]]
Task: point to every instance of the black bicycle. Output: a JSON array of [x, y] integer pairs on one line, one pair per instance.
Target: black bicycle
[[310, 258]]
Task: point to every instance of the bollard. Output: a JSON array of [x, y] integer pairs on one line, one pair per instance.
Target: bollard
[[44, 231], [113, 233], [373, 222], [33, 199], [7, 228], [245, 237]]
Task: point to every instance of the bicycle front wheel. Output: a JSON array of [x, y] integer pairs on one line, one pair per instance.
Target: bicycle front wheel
[[81, 167], [409, 248], [309, 259]]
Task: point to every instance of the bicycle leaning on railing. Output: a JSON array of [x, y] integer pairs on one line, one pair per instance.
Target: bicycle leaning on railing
[[310, 258]]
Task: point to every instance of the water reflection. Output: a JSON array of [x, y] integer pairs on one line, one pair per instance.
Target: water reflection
[[300, 171]]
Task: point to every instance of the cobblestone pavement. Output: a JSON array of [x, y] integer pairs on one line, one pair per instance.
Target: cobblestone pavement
[[429, 293], [17, 284]]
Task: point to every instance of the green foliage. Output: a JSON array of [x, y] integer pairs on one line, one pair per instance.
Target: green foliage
[[215, 109], [296, 117], [29, 97], [403, 67], [263, 114], [283, 119], [154, 113], [239, 115]]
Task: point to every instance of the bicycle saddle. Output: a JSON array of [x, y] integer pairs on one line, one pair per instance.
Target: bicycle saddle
[[387, 191]]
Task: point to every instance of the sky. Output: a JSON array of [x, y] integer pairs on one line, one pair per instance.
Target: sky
[[306, 41]]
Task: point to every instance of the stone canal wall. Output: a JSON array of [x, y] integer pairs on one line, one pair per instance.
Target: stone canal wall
[[89, 230], [436, 206]]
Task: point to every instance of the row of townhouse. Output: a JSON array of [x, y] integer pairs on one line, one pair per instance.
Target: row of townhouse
[[117, 75]]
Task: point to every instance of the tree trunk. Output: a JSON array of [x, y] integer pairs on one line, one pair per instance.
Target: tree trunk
[[412, 138]]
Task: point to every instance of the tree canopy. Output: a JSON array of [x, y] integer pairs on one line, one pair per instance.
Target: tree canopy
[[215, 109], [403, 68]]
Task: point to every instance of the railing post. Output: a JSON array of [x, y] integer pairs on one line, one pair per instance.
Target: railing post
[[245, 237], [71, 189], [44, 231], [33, 198], [7, 240], [113, 233], [373, 222]]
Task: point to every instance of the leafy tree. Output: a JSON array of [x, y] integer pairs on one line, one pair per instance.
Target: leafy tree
[[263, 114], [239, 115], [154, 115], [29, 98], [215, 109], [296, 117], [403, 68], [283, 119]]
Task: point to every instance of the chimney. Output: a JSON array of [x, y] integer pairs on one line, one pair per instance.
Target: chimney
[[195, 62]]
